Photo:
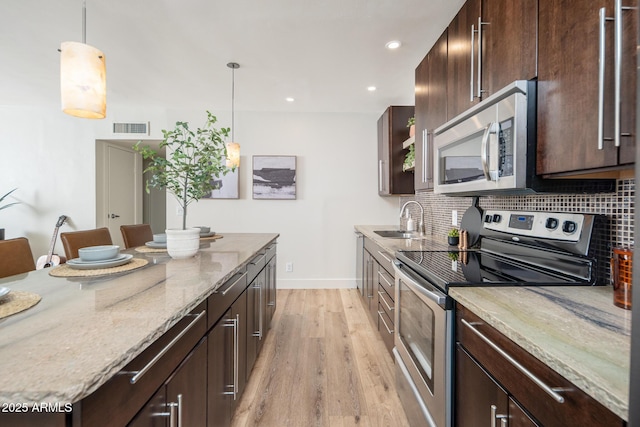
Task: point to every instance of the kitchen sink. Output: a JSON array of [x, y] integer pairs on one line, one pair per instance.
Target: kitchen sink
[[396, 234]]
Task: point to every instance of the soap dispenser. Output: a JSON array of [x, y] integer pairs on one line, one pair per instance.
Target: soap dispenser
[[411, 225]]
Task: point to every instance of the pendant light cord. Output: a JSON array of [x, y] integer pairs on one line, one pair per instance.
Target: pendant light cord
[[84, 21], [233, 66]]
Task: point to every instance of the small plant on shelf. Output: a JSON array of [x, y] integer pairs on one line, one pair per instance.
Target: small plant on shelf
[[409, 159], [411, 124]]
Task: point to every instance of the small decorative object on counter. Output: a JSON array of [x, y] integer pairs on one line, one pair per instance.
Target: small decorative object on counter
[[453, 237], [621, 276], [411, 124], [464, 240]]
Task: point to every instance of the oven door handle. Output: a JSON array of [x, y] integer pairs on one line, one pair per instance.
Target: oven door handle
[[419, 285]]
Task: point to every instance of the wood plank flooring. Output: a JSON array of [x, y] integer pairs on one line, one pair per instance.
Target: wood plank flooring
[[322, 364]]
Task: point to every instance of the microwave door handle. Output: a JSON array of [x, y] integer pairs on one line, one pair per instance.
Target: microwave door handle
[[484, 151]]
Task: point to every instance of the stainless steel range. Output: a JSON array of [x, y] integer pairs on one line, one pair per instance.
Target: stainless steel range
[[514, 249]]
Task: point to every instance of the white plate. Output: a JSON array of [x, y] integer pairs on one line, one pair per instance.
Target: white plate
[[156, 245], [79, 261], [4, 292], [123, 259], [209, 234]]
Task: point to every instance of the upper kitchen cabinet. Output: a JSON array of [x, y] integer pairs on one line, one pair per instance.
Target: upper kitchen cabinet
[[392, 132], [586, 104], [491, 44], [430, 109]]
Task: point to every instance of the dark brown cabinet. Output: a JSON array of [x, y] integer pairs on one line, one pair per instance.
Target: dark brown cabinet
[[182, 400], [491, 44], [524, 388], [392, 132], [378, 290], [430, 109], [569, 96]]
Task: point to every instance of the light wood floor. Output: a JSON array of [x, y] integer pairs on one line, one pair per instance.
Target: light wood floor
[[322, 364]]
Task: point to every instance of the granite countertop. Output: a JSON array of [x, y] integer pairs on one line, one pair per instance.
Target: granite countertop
[[84, 330], [576, 331]]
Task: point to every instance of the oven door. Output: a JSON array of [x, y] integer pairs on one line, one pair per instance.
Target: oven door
[[423, 347]]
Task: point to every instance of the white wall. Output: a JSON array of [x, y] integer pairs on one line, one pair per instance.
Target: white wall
[[50, 157]]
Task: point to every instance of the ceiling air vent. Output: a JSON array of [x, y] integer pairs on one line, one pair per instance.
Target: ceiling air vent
[[137, 128]]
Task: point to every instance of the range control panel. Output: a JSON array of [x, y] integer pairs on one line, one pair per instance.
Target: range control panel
[[544, 225]]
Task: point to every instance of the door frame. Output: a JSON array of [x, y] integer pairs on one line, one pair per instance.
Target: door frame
[[103, 179]]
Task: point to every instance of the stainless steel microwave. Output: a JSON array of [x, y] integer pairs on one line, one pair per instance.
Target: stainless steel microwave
[[491, 149]]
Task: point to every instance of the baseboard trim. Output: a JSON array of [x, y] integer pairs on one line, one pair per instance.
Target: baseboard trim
[[316, 283]]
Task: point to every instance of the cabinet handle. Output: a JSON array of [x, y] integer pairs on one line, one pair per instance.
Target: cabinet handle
[[550, 391], [172, 413], [385, 323], [473, 42], [480, 24], [235, 324], [385, 279], [381, 296], [601, 67], [138, 374], [424, 159], [380, 175], [384, 256], [495, 417], [258, 261], [233, 284], [258, 333]]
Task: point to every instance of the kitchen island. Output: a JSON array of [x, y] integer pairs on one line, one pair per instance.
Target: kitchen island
[[86, 329]]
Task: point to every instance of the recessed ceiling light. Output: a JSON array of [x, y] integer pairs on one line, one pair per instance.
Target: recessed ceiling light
[[371, 88], [394, 44], [289, 99]]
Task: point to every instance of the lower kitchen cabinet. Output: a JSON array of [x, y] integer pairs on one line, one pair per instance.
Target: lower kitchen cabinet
[[497, 380], [271, 278], [378, 290], [182, 400]]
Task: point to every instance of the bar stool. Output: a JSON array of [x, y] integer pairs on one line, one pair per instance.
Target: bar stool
[[15, 257], [136, 235], [74, 240]]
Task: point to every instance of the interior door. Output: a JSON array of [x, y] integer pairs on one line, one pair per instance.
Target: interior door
[[119, 186]]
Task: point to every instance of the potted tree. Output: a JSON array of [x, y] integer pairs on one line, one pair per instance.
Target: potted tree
[[193, 159], [6, 205]]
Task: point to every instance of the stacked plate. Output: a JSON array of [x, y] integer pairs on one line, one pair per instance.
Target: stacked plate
[[4, 292], [94, 257], [159, 242]]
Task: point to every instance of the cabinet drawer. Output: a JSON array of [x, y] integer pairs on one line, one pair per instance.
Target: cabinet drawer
[[578, 408], [256, 265], [120, 398], [387, 281], [386, 302], [225, 295], [383, 258], [271, 251], [385, 327]]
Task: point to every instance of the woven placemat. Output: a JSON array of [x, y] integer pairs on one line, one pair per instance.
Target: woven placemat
[[17, 301], [214, 237], [147, 249], [64, 270]]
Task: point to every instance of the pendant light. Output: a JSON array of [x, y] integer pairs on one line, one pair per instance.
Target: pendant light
[[83, 86], [233, 148]]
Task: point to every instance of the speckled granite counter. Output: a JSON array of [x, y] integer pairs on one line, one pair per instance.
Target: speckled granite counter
[[86, 329], [577, 331]]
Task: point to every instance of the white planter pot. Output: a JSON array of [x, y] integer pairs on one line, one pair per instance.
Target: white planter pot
[[183, 244]]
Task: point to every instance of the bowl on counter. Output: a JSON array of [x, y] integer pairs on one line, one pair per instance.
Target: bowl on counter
[[160, 238], [98, 253], [204, 229]]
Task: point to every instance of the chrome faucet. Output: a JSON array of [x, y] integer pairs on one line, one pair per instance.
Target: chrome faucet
[[421, 223]]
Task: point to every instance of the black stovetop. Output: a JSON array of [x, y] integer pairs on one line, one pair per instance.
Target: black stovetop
[[475, 267]]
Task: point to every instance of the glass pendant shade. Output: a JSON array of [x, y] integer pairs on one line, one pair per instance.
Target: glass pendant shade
[[233, 155], [83, 80]]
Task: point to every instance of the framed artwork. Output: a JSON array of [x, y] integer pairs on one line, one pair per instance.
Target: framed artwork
[[228, 186], [274, 177]]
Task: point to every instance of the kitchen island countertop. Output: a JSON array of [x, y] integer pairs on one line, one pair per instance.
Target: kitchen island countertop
[[85, 329], [575, 330]]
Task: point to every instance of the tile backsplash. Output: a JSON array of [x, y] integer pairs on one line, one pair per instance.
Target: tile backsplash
[[617, 207]]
